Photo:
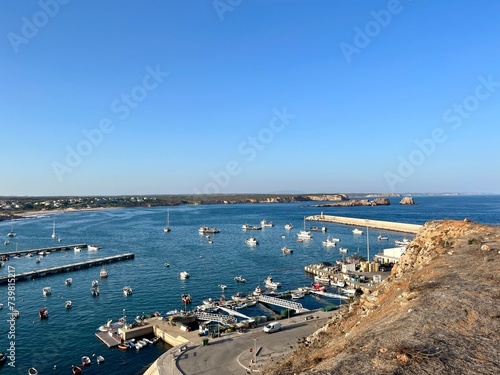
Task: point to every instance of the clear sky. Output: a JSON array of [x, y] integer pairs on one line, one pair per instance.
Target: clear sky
[[166, 97]]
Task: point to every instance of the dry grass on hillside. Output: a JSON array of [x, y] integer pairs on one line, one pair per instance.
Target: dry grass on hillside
[[438, 313]]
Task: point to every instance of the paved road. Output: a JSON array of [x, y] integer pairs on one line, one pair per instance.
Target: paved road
[[230, 355]]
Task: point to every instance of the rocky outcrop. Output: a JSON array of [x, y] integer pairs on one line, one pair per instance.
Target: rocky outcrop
[[357, 202], [407, 200], [437, 313]]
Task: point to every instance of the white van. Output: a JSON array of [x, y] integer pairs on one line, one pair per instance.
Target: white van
[[272, 327]]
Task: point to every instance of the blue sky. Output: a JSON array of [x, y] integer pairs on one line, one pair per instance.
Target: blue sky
[[232, 96]]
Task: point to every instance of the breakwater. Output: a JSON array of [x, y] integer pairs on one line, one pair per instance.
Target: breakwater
[[376, 224], [45, 249], [66, 268]]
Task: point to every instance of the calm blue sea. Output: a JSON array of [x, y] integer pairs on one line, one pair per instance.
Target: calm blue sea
[[69, 334]]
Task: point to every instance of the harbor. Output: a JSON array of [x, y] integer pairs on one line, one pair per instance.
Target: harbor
[[367, 223], [65, 268]]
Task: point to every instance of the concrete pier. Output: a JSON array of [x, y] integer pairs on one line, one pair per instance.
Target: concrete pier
[[66, 268], [45, 249], [377, 224]]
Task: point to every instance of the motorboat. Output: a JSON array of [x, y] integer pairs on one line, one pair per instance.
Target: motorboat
[[338, 283], [252, 241], [6, 242], [76, 370], [382, 238], [318, 287], [204, 230], [184, 275], [43, 313], [167, 229], [349, 291], [103, 273], [344, 250], [286, 250], [405, 241], [288, 226], [123, 346], [93, 247], [77, 249], [68, 304], [32, 371], [270, 283], [47, 291], [315, 229], [15, 314], [322, 279], [167, 265], [357, 231], [324, 229], [330, 242], [240, 279], [127, 291], [86, 361], [223, 287], [94, 291], [250, 227], [99, 359], [186, 298], [11, 234], [297, 295], [95, 283], [264, 223]]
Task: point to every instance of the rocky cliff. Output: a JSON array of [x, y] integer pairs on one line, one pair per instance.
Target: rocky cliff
[[407, 200], [437, 313]]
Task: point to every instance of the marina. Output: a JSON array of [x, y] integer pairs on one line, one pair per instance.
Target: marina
[[66, 268]]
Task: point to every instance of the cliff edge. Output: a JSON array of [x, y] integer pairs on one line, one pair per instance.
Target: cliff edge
[[438, 313]]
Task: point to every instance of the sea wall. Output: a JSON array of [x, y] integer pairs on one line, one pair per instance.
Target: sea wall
[[377, 224]]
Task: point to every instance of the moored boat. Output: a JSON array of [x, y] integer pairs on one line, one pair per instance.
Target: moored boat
[[77, 249], [47, 291], [95, 283], [344, 250], [240, 279], [93, 247], [68, 304], [382, 238], [288, 226], [265, 223], [252, 241], [270, 283], [286, 250], [322, 279], [43, 313], [94, 291], [32, 371], [186, 298], [86, 361], [76, 370], [100, 359], [330, 242], [103, 273], [204, 230], [357, 231], [184, 275], [258, 291], [297, 295], [127, 291]]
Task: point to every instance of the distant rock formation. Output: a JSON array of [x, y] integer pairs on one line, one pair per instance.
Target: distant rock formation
[[407, 200], [358, 202]]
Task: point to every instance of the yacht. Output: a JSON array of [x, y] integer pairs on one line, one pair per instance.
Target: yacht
[[304, 234], [357, 231]]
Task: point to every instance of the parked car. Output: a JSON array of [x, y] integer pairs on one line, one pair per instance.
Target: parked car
[[272, 327]]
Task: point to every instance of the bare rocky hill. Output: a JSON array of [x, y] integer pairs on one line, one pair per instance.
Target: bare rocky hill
[[438, 313]]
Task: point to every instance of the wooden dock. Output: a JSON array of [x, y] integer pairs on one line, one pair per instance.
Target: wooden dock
[[109, 338], [45, 249], [66, 268], [363, 223]]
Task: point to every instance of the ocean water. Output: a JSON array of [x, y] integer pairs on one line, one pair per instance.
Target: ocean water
[[53, 345]]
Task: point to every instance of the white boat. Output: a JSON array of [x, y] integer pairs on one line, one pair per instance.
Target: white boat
[[68, 281], [86, 361], [32, 371], [104, 273], [95, 283], [127, 291], [94, 291], [288, 226], [38, 260], [304, 234], [324, 229], [223, 287], [54, 230], [252, 241], [184, 275], [68, 304], [350, 291], [357, 231], [167, 228], [264, 223], [405, 241], [286, 250], [47, 291], [100, 359], [240, 279], [11, 233], [93, 247], [258, 291], [344, 250], [6, 242], [330, 242], [77, 249], [270, 283], [204, 230], [297, 295], [382, 238], [321, 279], [338, 283]]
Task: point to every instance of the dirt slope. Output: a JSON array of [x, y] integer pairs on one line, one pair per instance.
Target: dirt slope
[[438, 313]]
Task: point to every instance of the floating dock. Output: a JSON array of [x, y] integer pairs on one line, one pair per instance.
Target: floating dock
[[45, 249], [376, 224], [66, 268]]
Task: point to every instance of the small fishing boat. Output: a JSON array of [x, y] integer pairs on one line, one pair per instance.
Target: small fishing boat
[[167, 265], [322, 279], [318, 287], [43, 313], [357, 231], [77, 249], [95, 283], [47, 291], [93, 247], [223, 287], [286, 250], [6, 242], [324, 229], [94, 291], [68, 304], [204, 230], [184, 275], [330, 242], [252, 241], [103, 273], [338, 283], [264, 223], [32, 371], [258, 291], [127, 291], [297, 295], [270, 283], [100, 359], [76, 370], [240, 279], [38, 260], [123, 346], [86, 361], [344, 250], [382, 238], [288, 226]]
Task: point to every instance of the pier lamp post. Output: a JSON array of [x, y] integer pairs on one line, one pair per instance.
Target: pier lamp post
[[255, 352], [367, 242]]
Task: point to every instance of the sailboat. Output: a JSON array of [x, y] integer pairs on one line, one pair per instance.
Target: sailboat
[[167, 228], [11, 233], [54, 230], [304, 233]]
